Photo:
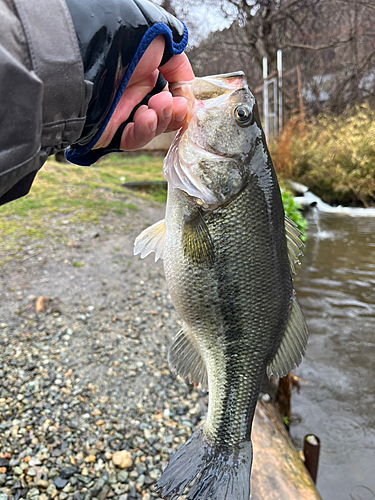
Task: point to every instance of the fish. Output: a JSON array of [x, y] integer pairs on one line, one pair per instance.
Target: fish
[[229, 256]]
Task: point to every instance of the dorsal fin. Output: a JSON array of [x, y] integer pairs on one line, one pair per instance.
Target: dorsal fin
[[294, 243], [151, 240], [293, 344], [185, 358]]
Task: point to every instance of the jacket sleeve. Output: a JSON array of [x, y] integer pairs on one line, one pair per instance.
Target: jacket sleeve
[[44, 96]]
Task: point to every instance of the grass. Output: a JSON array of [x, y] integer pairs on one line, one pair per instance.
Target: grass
[[64, 193]]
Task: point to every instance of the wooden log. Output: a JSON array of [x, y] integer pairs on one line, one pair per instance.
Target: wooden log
[[278, 472]]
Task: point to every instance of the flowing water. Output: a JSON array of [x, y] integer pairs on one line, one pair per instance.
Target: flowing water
[[336, 288]]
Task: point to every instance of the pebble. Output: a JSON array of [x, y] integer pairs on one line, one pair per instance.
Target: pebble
[[122, 459], [122, 476], [67, 472], [60, 482], [34, 461]]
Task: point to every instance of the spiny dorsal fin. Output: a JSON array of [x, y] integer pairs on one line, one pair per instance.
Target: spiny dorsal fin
[[294, 243], [185, 358], [151, 240], [196, 240], [293, 344]]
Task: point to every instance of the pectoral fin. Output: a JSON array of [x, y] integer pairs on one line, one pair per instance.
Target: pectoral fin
[[151, 240], [293, 344], [185, 359], [197, 244], [294, 243]]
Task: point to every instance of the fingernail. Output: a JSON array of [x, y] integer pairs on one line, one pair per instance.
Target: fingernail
[[153, 126]]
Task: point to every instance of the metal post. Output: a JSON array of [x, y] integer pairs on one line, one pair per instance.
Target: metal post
[[265, 97], [275, 108], [280, 86]]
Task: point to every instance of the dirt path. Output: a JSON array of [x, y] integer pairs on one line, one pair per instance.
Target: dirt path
[[88, 376]]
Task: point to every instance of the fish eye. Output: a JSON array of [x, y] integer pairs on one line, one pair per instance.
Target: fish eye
[[243, 115]]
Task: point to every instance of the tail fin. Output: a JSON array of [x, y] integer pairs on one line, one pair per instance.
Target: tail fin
[[220, 474]]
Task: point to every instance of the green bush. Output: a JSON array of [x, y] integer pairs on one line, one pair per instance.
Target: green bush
[[334, 157]]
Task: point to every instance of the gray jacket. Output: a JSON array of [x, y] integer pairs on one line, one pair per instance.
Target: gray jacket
[[44, 96], [50, 68]]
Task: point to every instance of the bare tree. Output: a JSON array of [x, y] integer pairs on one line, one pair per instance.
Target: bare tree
[[333, 42]]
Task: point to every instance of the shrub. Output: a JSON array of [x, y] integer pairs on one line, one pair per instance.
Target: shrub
[[334, 157]]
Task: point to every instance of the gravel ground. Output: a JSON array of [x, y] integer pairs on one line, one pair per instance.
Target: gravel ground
[[88, 406]]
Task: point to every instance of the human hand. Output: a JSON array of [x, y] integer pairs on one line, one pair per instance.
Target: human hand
[[163, 112], [122, 44]]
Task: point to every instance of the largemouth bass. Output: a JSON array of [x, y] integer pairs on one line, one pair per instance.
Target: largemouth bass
[[229, 253]]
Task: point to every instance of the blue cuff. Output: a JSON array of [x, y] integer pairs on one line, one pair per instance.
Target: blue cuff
[[85, 155]]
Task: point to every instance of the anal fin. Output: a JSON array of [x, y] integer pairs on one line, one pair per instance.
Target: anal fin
[[293, 344], [185, 359]]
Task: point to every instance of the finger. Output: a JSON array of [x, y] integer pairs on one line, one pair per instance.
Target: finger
[[162, 104], [177, 69], [149, 61], [180, 110], [141, 131], [142, 81]]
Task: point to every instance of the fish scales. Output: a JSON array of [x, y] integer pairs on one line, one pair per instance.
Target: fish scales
[[243, 293], [228, 257]]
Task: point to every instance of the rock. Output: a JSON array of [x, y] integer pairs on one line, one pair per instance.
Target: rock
[[90, 459], [68, 471], [60, 482], [141, 480], [122, 476], [4, 462], [154, 474], [42, 484], [104, 492], [34, 461], [33, 493], [3, 478], [3, 496], [98, 486], [84, 471], [51, 488], [122, 459]]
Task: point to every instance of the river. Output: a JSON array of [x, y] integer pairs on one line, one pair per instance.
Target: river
[[336, 288]]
